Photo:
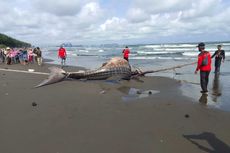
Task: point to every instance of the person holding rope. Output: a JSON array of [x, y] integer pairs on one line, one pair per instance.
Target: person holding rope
[[204, 65]]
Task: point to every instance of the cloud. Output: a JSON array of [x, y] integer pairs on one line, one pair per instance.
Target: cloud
[[137, 15], [91, 12], [91, 21], [59, 7]]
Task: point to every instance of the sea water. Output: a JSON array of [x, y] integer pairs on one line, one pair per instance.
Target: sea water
[[154, 57]]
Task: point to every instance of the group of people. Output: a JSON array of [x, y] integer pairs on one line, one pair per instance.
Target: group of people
[[20, 55], [204, 64]]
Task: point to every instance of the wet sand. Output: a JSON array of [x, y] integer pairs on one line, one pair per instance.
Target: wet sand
[[93, 116]]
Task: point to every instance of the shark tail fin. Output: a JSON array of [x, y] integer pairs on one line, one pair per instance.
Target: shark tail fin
[[56, 75]]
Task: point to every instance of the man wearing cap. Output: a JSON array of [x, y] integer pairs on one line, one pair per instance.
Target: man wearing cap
[[204, 65], [219, 56]]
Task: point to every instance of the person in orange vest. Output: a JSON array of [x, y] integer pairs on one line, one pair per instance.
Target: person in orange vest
[[204, 65], [62, 55], [126, 52]]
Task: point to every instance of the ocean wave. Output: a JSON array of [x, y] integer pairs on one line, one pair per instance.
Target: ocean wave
[[180, 45], [190, 54], [197, 53], [157, 53], [85, 51], [227, 53], [171, 46], [101, 50], [152, 46], [86, 55], [226, 44], [159, 57]]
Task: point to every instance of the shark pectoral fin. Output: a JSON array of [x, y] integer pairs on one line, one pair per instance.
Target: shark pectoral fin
[[55, 76]]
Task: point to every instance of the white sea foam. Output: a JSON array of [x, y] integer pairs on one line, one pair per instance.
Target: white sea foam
[[142, 57], [153, 46], [153, 53], [196, 53], [85, 51], [101, 50], [190, 53], [227, 53]]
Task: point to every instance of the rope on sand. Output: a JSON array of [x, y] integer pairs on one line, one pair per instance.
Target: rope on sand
[[22, 71]]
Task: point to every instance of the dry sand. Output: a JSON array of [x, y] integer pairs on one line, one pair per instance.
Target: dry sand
[[93, 117]]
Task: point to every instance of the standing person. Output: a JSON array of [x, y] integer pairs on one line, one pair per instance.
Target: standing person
[[35, 54], [204, 65], [8, 55], [219, 56], [30, 55], [62, 55], [126, 52], [25, 56], [1, 56], [39, 55]]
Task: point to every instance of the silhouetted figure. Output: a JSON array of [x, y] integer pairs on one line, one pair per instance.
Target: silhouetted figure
[[217, 145]]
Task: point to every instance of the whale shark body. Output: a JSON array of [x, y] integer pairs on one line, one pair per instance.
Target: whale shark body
[[116, 67]]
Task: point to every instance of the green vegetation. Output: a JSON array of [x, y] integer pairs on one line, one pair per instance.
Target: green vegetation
[[11, 42]]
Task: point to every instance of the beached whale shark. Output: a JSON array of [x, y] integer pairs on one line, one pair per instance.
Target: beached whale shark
[[117, 68]]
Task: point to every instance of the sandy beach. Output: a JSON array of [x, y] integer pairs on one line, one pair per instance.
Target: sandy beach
[[105, 117]]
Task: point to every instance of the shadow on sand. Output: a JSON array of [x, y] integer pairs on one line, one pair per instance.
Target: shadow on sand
[[217, 145]]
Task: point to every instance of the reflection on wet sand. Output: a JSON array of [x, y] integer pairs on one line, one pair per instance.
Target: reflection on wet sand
[[204, 99], [133, 93], [216, 89]]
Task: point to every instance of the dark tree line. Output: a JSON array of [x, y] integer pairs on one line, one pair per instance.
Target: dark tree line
[[11, 42]]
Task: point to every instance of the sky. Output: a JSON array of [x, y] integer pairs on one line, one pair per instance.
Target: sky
[[52, 22]]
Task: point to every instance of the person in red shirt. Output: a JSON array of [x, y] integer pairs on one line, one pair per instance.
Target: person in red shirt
[[204, 65], [126, 52], [62, 55]]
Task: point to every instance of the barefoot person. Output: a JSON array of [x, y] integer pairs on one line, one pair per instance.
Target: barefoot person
[[204, 65]]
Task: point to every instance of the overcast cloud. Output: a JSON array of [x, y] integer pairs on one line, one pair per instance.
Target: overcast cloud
[[110, 21]]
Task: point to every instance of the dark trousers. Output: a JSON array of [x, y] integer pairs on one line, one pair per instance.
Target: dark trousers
[[204, 77], [126, 58], [217, 65], [217, 69]]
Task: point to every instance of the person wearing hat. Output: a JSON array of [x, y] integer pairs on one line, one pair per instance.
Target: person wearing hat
[[219, 57], [204, 65]]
